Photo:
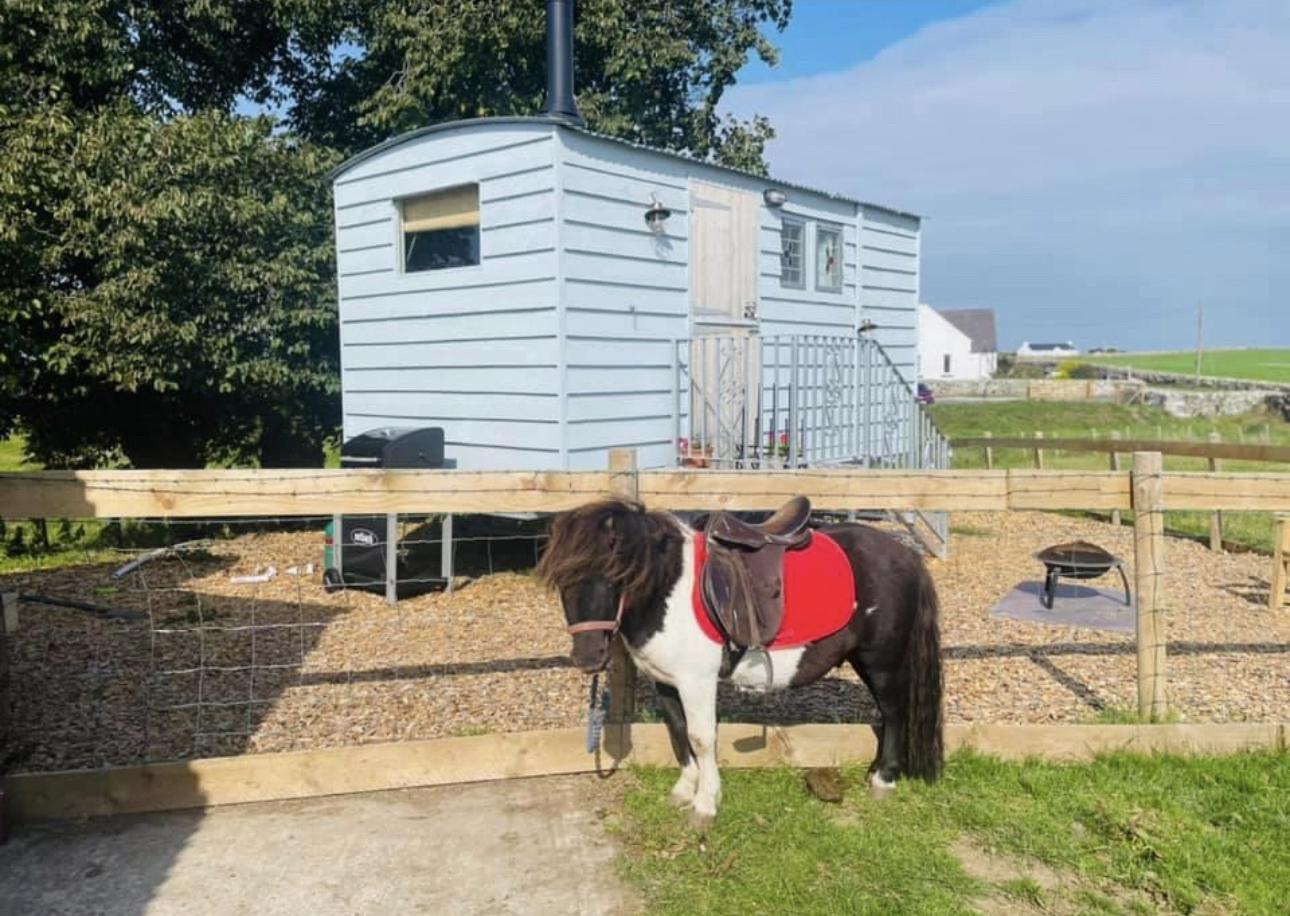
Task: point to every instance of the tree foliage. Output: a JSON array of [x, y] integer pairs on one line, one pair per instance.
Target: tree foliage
[[166, 274], [185, 309], [650, 71]]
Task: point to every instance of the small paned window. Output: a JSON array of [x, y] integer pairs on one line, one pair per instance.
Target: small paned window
[[946, 370], [441, 229], [791, 261], [828, 259]]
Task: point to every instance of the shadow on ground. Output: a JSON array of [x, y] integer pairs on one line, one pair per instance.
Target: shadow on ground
[[522, 847]]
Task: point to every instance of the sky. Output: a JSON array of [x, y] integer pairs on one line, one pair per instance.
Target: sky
[[1091, 169]]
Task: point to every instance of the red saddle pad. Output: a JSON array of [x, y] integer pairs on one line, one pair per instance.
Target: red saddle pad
[[819, 592]]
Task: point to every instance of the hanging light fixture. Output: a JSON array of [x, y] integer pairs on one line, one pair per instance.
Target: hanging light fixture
[[656, 215]]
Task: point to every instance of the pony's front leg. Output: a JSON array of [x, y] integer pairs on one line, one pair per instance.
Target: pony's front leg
[[699, 699], [669, 704]]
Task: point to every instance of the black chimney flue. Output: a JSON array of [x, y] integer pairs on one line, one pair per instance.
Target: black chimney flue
[[559, 62]]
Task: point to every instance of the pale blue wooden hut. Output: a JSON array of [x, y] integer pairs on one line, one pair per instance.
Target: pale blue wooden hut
[[545, 293]]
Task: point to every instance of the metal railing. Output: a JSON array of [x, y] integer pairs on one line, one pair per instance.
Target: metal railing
[[747, 402]]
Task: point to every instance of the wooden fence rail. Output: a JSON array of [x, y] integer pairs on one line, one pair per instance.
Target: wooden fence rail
[[1235, 451], [265, 493], [1213, 450]]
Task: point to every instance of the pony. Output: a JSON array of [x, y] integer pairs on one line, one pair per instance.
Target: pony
[[621, 570]]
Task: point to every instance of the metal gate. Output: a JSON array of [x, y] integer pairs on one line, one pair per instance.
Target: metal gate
[[801, 400]]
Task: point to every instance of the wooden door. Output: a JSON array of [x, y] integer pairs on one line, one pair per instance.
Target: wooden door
[[723, 257], [725, 352]]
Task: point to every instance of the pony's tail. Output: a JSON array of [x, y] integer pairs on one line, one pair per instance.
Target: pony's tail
[[924, 717]]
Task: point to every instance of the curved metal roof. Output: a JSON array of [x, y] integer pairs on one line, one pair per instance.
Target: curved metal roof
[[561, 123]]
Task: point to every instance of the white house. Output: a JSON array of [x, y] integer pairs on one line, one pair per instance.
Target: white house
[[544, 293], [956, 344], [1029, 350]]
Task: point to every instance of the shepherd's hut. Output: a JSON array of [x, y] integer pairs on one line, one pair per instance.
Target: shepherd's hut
[[545, 293]]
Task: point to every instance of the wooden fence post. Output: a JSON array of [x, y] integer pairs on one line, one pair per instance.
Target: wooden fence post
[[8, 625], [1115, 466], [1215, 520], [1280, 562], [1148, 563], [989, 452], [1039, 453], [622, 670]]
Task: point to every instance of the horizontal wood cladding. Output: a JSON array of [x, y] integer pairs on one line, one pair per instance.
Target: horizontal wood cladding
[[443, 148]]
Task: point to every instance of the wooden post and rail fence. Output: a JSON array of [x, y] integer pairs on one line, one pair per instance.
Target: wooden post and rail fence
[[1215, 451], [1146, 490]]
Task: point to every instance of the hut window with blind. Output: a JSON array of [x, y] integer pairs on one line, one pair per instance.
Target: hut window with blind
[[441, 229]]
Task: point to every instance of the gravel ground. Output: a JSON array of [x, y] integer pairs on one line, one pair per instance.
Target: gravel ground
[[284, 665]]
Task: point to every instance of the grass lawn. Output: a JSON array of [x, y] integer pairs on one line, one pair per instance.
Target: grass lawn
[[1126, 834], [1269, 365], [1097, 420], [21, 546], [11, 455]]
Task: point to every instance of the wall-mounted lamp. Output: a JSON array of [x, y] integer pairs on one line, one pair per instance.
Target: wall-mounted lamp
[[656, 215], [774, 197]]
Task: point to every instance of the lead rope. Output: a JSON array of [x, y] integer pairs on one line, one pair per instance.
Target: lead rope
[[597, 709]]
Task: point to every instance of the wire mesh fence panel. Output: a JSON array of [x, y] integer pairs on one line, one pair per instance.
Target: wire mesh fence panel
[[232, 642], [161, 641], [221, 637]]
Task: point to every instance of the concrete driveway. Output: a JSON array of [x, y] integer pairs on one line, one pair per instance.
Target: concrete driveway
[[534, 846]]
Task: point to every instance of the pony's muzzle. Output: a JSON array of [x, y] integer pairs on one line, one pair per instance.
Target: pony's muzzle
[[590, 653]]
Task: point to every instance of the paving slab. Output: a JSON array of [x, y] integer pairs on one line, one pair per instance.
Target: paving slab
[[1074, 605], [533, 846]]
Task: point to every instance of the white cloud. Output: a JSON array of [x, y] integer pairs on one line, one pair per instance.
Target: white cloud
[[1112, 160]]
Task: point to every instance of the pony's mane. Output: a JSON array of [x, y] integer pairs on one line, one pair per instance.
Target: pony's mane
[[614, 538]]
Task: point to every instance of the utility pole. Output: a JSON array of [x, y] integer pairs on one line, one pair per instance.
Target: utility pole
[[1200, 330]]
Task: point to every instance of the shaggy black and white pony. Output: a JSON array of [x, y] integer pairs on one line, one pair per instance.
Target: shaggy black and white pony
[[621, 569]]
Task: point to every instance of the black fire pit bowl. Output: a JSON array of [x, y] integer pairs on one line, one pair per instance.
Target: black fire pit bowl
[[1078, 560]]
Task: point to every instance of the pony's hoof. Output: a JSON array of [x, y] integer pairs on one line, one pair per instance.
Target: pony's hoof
[[702, 820], [680, 799], [880, 788]]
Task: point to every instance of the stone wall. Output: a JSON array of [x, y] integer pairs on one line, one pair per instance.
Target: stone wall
[[1219, 402], [1020, 389], [1191, 381], [1221, 398]]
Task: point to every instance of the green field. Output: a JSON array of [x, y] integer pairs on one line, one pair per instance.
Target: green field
[[1097, 420], [1269, 365], [1125, 834]]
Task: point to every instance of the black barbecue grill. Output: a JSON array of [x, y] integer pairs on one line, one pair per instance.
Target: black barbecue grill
[[357, 553], [1078, 560], [394, 448]]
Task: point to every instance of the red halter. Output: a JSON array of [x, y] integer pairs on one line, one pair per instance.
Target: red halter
[[590, 626]]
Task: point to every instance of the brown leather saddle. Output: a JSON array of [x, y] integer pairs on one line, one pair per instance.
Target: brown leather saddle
[[743, 577]]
